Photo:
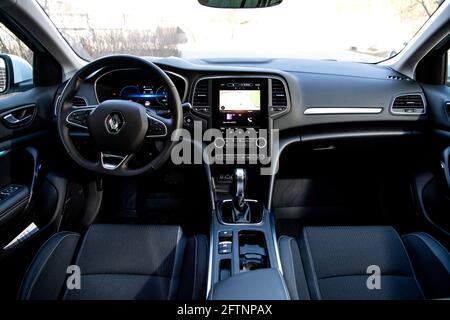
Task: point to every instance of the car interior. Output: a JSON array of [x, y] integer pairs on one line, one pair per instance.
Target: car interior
[[326, 173]]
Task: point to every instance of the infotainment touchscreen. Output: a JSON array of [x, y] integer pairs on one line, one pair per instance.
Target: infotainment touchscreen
[[239, 103]]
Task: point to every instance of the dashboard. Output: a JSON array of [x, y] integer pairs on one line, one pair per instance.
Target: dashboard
[[290, 95]]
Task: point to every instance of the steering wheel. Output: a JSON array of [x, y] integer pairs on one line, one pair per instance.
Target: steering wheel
[[118, 128]]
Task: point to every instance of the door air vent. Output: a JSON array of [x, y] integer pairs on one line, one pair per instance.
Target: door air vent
[[411, 104], [201, 97], [279, 97]]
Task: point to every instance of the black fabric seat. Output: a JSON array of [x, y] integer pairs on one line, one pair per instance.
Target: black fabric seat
[[126, 262], [332, 263]]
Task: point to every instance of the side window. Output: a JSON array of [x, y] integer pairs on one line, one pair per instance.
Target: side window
[[16, 59]]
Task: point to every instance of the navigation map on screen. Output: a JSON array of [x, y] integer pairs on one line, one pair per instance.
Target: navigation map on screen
[[240, 100]]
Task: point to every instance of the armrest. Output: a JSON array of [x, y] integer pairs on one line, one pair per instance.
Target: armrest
[[263, 284]]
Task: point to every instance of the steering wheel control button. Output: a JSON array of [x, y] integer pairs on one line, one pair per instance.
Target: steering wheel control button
[[188, 121], [79, 118], [156, 128]]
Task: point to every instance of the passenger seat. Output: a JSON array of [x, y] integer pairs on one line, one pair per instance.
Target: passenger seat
[[336, 263]]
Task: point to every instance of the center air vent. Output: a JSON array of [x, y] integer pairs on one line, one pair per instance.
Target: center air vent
[[409, 104], [201, 97], [279, 97]]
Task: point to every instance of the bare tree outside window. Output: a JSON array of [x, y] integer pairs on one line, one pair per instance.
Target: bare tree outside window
[[92, 42], [10, 44], [356, 30]]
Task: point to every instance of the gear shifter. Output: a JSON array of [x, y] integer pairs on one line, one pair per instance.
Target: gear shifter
[[241, 209]]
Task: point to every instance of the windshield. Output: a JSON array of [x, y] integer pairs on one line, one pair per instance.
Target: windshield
[[351, 30]]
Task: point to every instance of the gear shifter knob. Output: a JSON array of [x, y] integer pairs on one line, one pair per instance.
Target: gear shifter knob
[[240, 182]]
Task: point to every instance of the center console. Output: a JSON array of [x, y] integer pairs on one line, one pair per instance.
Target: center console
[[243, 244], [243, 241]]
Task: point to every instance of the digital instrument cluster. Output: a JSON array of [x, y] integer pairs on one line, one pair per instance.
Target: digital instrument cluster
[[138, 86], [148, 95]]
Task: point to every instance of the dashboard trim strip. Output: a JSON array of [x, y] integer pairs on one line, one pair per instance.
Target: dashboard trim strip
[[331, 111]]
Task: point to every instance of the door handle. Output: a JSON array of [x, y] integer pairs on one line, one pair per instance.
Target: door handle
[[12, 120], [20, 116]]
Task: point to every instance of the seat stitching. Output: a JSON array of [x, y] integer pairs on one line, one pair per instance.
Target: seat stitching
[[174, 264], [292, 263], [289, 240], [45, 262], [311, 262], [124, 274], [422, 235], [426, 244], [426, 235], [195, 268], [410, 263], [365, 275], [79, 254]]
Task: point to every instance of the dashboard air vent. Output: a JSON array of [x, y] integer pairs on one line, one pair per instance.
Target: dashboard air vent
[[279, 98], [398, 78], [79, 102], [201, 97], [409, 104]]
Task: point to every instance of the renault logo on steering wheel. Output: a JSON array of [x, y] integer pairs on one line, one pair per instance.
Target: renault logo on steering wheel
[[114, 122]]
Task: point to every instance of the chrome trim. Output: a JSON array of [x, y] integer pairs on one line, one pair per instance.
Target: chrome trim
[[111, 167], [78, 110], [186, 82], [345, 110], [412, 113], [275, 242], [13, 121], [156, 135], [108, 125], [252, 76], [209, 284]]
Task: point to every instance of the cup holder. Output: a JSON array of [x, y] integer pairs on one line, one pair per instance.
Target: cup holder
[[252, 251]]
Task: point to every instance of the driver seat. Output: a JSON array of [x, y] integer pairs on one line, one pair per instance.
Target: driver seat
[[119, 262]]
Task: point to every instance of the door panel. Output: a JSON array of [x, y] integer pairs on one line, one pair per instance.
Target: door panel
[[21, 148]]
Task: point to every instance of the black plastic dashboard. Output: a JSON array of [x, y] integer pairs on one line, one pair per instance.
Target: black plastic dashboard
[[316, 93]]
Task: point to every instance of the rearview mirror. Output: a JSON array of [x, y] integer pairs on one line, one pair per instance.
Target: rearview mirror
[[3, 75], [239, 4]]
